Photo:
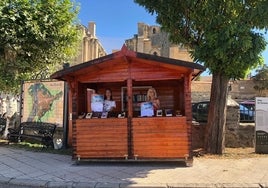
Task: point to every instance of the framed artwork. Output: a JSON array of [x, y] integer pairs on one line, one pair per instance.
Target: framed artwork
[[89, 115], [159, 113], [82, 115], [168, 112], [122, 115], [178, 113], [104, 114]]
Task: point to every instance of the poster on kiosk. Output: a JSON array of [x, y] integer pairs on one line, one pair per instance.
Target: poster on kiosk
[[261, 125]]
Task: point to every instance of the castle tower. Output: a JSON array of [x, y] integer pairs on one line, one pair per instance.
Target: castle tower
[[151, 40], [90, 46]]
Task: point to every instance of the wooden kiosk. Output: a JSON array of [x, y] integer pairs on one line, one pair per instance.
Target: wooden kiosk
[[131, 137]]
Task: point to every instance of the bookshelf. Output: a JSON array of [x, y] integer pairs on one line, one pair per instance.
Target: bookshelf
[[139, 95]]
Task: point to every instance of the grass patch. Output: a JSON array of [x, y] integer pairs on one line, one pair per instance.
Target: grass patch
[[36, 147]]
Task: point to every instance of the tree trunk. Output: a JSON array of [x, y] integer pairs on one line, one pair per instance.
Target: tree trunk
[[215, 129], [6, 128]]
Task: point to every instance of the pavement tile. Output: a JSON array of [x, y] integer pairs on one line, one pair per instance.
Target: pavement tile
[[238, 185], [4, 180], [143, 186], [190, 185], [27, 182], [60, 184], [107, 185], [84, 185], [13, 173], [19, 166]]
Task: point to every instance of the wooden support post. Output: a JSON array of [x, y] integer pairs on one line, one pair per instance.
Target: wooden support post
[[130, 115]]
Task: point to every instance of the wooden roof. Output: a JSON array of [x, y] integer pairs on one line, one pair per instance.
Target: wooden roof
[[124, 64]]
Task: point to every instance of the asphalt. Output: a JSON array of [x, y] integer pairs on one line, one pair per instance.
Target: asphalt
[[20, 168]]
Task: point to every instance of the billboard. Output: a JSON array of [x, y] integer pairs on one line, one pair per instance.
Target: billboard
[[43, 101]]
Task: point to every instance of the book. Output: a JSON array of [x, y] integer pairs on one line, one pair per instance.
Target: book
[[97, 102], [147, 109], [104, 114]]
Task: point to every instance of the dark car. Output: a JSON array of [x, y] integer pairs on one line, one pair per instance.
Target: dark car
[[247, 111], [200, 111]]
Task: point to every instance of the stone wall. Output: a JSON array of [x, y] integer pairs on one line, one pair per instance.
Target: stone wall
[[239, 90], [237, 134], [200, 91], [243, 136], [243, 90], [232, 114]]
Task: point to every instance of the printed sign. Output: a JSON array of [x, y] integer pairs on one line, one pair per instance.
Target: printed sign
[[261, 125], [261, 119]]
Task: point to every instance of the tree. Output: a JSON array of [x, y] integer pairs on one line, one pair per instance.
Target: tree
[[261, 79], [224, 36], [35, 37]]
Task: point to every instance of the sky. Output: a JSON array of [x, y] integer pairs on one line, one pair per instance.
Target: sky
[[117, 20]]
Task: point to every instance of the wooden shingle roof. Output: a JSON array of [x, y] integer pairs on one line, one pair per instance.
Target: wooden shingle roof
[[125, 63]]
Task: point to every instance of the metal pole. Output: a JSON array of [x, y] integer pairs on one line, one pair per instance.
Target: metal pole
[[65, 116], [65, 112]]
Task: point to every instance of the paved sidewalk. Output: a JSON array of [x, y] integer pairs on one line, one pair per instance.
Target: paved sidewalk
[[36, 169]]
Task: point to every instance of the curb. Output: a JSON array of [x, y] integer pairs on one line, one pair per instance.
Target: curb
[[28, 183]]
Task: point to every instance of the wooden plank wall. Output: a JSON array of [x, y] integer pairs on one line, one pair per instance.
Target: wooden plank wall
[[100, 138], [170, 94], [160, 137]]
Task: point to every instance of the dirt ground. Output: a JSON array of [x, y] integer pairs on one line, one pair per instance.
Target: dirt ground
[[236, 153]]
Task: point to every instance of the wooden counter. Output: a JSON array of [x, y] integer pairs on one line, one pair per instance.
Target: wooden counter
[[100, 138], [161, 137], [148, 138]]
